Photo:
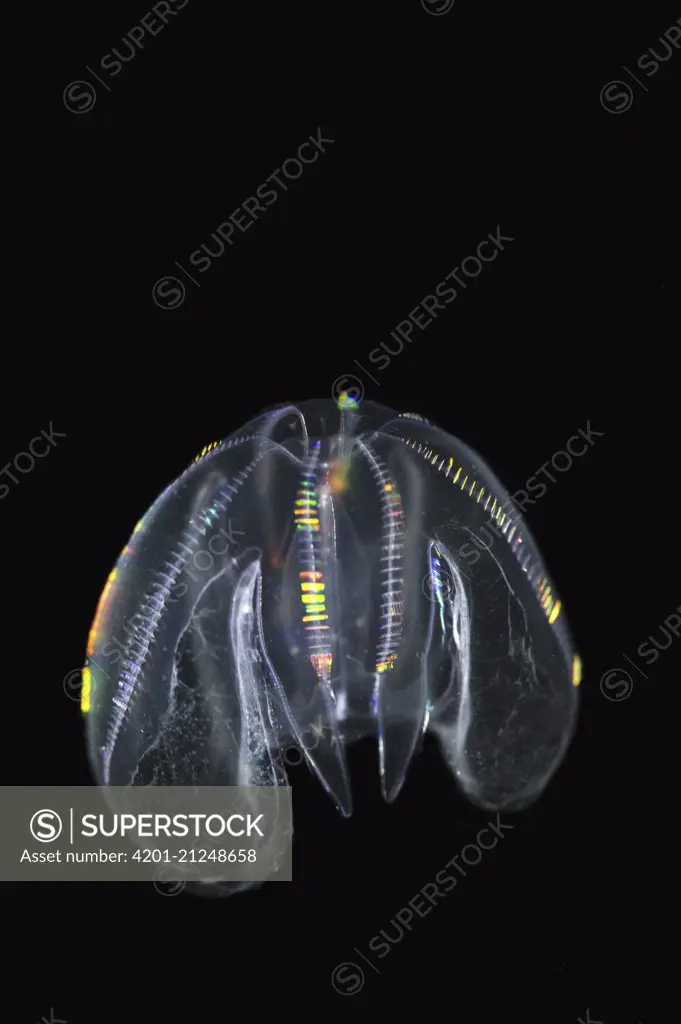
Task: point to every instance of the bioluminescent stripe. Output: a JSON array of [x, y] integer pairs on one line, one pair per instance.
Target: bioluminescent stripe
[[387, 665], [312, 586], [576, 670], [86, 688], [508, 528], [101, 604], [414, 416], [152, 603], [392, 598], [436, 576], [322, 662], [209, 448]]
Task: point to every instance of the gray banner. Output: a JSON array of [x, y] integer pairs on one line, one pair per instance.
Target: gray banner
[[140, 833]]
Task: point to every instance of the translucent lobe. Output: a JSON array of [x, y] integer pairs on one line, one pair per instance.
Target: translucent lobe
[[338, 570]]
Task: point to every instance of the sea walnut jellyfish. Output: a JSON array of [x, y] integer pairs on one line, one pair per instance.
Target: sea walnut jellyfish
[[313, 575]]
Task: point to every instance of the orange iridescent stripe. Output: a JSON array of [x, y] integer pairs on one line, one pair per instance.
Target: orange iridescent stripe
[[92, 636]]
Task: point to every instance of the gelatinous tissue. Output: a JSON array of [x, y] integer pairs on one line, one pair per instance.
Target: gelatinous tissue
[[306, 576]]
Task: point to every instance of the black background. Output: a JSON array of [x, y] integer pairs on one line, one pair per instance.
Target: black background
[[444, 128]]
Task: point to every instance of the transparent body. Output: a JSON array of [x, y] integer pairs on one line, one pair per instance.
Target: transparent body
[[339, 571]]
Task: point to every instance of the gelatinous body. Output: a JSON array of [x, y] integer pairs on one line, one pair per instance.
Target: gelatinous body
[[339, 571]]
